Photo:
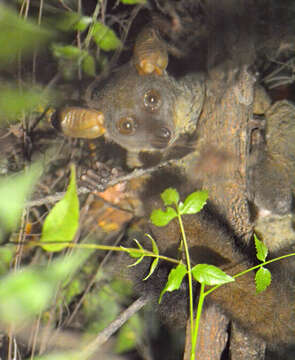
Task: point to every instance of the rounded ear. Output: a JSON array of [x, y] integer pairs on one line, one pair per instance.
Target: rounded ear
[[150, 54], [79, 122]]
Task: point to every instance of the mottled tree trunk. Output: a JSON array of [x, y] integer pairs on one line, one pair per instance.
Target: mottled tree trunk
[[212, 337], [223, 127], [243, 346]]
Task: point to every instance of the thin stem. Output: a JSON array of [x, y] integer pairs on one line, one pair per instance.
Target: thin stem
[[197, 321], [251, 269], [90, 31], [142, 252], [114, 326], [189, 272]]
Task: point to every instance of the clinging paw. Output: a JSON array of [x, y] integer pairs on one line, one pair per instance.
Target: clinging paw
[[99, 176]]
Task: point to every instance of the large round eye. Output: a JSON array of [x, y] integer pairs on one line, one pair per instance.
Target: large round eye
[[126, 125], [152, 100], [164, 133]]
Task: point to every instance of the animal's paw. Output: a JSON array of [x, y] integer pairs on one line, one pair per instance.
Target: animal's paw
[[99, 177]]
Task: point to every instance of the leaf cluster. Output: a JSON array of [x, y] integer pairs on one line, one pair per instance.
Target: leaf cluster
[[194, 203]]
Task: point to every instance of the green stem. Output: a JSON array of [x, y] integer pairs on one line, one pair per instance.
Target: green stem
[[197, 321], [90, 30], [142, 252], [251, 269], [189, 273]]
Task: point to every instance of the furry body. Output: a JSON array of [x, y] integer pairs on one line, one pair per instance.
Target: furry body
[[268, 315], [172, 115]]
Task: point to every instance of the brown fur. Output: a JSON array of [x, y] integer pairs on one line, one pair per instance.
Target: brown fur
[[269, 315]]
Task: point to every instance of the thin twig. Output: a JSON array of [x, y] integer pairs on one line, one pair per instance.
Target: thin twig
[[115, 325], [82, 190], [118, 51]]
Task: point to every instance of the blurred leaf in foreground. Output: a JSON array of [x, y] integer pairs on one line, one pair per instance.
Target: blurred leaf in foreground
[[68, 52], [6, 255], [13, 101], [13, 192], [71, 21], [105, 37], [88, 65], [69, 59], [67, 21], [27, 292], [17, 35]]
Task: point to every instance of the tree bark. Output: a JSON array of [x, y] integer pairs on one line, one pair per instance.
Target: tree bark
[[223, 127], [243, 346], [212, 337]]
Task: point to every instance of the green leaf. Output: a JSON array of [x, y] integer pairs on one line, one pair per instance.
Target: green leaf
[[152, 268], [174, 280], [170, 196], [262, 279], [88, 65], [137, 261], [132, 253], [156, 260], [13, 192], [136, 254], [162, 218], [68, 52], [83, 23], [154, 244], [62, 222], [27, 292], [261, 249], [71, 21], [194, 202], [210, 275], [105, 37], [6, 256], [13, 101], [68, 21], [132, 2]]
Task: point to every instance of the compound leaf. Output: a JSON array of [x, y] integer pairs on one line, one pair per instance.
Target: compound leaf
[[162, 218], [174, 281], [262, 279], [261, 249], [170, 196], [210, 275], [194, 202]]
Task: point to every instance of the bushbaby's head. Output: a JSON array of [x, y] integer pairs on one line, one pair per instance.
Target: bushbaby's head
[[138, 110], [140, 107]]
